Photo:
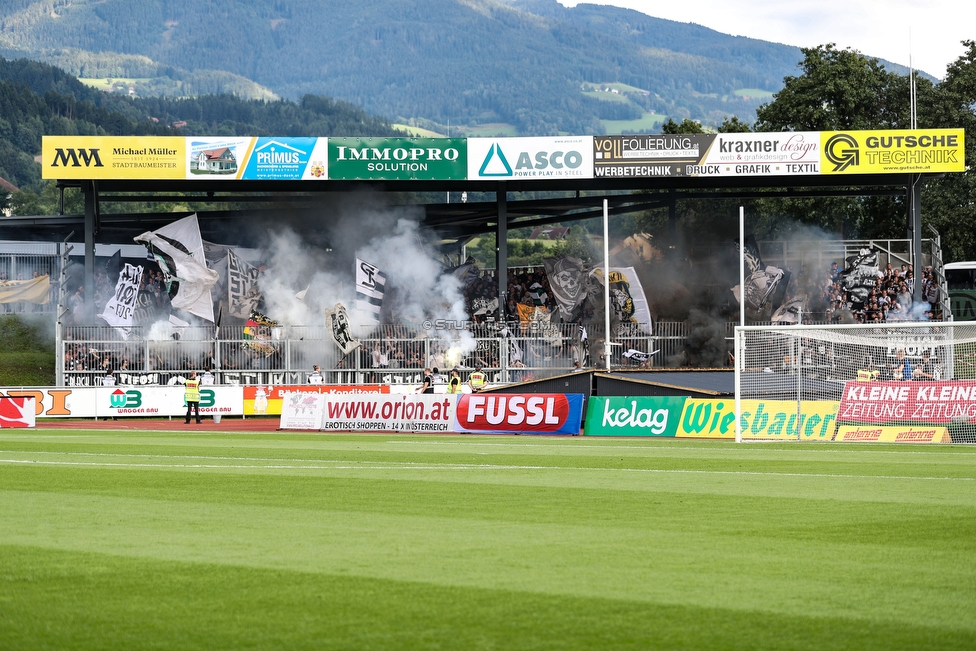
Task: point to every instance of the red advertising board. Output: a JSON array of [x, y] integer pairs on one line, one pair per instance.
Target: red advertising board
[[17, 412], [535, 413], [920, 402]]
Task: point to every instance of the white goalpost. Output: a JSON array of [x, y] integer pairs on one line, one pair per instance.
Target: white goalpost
[[905, 382]]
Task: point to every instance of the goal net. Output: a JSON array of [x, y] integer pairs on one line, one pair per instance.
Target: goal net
[[907, 382]]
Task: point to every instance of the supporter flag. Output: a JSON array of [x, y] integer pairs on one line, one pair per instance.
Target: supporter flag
[[35, 290], [466, 273], [566, 281], [860, 274], [119, 311], [178, 249], [338, 326], [638, 356], [789, 313], [538, 294], [370, 288], [258, 333], [627, 300], [765, 284], [243, 293]]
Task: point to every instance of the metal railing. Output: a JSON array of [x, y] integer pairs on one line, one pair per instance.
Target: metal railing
[[389, 354]]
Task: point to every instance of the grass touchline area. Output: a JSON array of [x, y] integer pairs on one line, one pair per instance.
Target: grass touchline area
[[268, 540]]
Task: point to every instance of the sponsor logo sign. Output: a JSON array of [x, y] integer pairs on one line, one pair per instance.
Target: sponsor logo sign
[[267, 400], [633, 416], [217, 158], [17, 412], [880, 434], [499, 159], [302, 410], [761, 419], [388, 413], [283, 158], [397, 158], [647, 155], [92, 402], [538, 413], [111, 157], [893, 151], [919, 402], [759, 154]]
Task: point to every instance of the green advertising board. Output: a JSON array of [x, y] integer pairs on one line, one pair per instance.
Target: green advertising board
[[398, 159], [633, 416]]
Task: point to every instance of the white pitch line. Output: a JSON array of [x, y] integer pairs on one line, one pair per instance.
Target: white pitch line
[[454, 467]]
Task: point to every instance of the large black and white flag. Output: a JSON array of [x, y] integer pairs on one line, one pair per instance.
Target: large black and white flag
[[639, 356], [178, 250], [370, 288], [765, 284], [338, 326], [243, 294], [119, 312], [567, 280]]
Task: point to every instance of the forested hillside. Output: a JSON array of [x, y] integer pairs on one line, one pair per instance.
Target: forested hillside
[[524, 63], [37, 99]]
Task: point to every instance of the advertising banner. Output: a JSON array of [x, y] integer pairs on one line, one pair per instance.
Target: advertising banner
[[879, 434], [881, 403], [893, 151], [569, 157], [537, 413], [302, 410], [217, 158], [112, 157], [389, 413], [646, 156], [760, 154], [634, 416], [761, 419], [267, 400], [104, 402], [400, 159], [287, 159], [17, 412]]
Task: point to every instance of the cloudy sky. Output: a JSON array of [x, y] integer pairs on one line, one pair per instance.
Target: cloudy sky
[[888, 29]]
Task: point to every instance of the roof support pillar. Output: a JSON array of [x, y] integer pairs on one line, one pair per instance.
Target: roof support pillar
[[501, 250], [91, 228]]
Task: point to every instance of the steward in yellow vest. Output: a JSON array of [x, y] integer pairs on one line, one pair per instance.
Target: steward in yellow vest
[[477, 380], [867, 375], [192, 396]]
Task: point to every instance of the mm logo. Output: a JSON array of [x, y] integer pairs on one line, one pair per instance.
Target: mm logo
[[842, 151], [76, 157], [121, 399]]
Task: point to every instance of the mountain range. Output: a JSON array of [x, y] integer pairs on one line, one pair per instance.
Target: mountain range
[[467, 67]]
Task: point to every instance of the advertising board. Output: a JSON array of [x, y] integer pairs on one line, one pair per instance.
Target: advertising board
[[893, 151], [104, 402], [536, 413], [760, 154], [302, 410], [882, 434], [569, 157], [113, 157], [401, 159], [761, 419], [388, 413], [884, 403], [633, 416], [17, 412], [266, 400]]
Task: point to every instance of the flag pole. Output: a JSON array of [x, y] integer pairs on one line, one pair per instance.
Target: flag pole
[[606, 283]]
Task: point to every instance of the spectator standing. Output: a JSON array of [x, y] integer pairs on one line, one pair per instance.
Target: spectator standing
[[315, 377]]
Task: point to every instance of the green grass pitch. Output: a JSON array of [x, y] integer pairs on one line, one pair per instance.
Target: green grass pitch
[[166, 540]]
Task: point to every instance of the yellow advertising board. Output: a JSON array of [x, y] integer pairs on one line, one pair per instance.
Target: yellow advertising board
[[892, 151], [112, 157], [761, 419], [889, 434]]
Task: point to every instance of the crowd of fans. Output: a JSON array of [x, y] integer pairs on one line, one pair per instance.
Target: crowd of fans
[[889, 299]]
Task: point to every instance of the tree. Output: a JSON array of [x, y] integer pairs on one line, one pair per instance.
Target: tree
[[839, 90], [686, 126]]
